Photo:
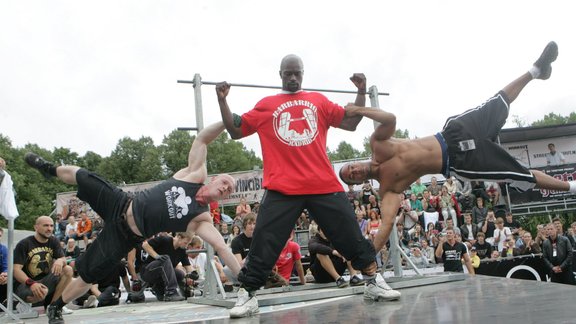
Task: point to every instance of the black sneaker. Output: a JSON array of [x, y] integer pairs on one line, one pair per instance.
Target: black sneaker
[[158, 291], [173, 296], [54, 315], [37, 162], [548, 56], [356, 281], [341, 283]]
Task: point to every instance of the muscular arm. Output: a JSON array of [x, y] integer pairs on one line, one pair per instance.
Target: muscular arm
[[389, 206], [300, 271], [468, 263], [130, 264], [350, 122], [387, 120], [222, 90]]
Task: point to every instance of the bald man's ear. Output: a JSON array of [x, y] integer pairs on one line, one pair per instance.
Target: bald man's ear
[[280, 74]]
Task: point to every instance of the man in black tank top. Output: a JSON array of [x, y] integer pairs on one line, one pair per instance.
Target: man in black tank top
[[178, 204]]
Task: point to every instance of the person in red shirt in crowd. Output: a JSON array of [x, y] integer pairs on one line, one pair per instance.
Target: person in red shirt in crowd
[[215, 212], [289, 258], [292, 127]]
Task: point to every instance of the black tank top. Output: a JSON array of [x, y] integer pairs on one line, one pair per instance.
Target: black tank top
[[167, 207]]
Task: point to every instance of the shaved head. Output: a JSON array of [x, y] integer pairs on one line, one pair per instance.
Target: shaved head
[[291, 72]]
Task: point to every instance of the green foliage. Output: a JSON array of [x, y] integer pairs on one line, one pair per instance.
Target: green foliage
[[344, 151], [402, 134], [555, 119]]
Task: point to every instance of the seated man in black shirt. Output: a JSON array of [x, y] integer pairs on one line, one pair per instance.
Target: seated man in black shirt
[[452, 252], [159, 271]]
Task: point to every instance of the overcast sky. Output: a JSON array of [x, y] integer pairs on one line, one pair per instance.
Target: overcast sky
[[82, 75]]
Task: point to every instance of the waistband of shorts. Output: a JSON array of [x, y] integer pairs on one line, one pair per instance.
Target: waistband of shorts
[[445, 159], [124, 223]]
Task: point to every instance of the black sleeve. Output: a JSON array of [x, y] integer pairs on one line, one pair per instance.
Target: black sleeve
[[55, 245], [236, 245], [183, 257], [20, 252], [317, 247]]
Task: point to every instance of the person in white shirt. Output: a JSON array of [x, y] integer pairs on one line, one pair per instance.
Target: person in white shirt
[[554, 157], [501, 233]]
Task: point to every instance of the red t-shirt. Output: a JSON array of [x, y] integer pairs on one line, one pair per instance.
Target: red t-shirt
[[292, 128], [288, 256]]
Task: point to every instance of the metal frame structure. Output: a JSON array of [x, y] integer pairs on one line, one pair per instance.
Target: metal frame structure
[[273, 296]]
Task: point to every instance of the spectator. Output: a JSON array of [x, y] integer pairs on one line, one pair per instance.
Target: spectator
[[501, 234], [71, 228], [362, 223], [71, 252], [134, 262], [366, 192], [453, 186], [529, 246], [557, 255], [483, 248], [512, 224], [243, 208], [479, 212], [417, 257], [434, 187], [256, 208], [289, 259], [416, 205], [474, 259], [417, 188], [495, 255], [452, 253], [469, 229], [447, 205], [373, 224], [428, 251], [488, 227], [236, 230], [541, 235], [40, 269], [106, 292], [406, 215], [97, 226], [164, 253], [554, 158], [359, 209], [352, 194], [60, 227], [572, 236], [215, 212], [416, 234], [403, 237], [327, 264], [225, 233], [3, 266], [509, 249], [84, 228], [559, 226], [493, 192], [432, 234], [303, 221], [373, 205], [241, 244], [449, 223], [198, 261]]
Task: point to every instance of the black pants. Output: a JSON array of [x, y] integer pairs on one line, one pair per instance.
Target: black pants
[[163, 273], [565, 277], [109, 297], [276, 219]]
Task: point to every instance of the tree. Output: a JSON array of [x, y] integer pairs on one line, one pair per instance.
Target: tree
[[90, 161], [344, 151], [555, 119], [226, 155], [175, 148]]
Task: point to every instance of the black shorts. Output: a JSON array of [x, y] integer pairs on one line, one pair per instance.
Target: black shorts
[[50, 281], [116, 239], [472, 151], [321, 275]]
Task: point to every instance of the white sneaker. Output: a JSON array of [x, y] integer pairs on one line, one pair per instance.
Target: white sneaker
[[23, 308], [91, 302], [380, 290], [66, 311], [245, 305]]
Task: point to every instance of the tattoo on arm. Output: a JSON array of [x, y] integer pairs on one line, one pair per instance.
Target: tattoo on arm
[[237, 120]]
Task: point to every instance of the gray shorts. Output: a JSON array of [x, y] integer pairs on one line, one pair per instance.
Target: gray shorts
[[50, 281]]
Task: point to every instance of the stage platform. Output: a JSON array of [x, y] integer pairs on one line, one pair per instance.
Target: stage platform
[[479, 299]]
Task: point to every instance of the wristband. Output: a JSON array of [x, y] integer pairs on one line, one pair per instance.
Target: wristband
[[30, 282]]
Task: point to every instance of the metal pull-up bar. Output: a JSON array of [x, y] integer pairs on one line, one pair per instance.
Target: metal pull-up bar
[[193, 82], [197, 83]]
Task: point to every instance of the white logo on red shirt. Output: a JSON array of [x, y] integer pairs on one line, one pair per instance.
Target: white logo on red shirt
[[296, 122]]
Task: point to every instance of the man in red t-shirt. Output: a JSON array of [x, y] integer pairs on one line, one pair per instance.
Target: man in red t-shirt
[[290, 258], [293, 127]]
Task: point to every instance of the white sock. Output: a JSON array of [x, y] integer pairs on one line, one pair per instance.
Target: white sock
[[572, 186], [534, 71]]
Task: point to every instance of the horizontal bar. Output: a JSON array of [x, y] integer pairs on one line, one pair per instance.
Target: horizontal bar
[[277, 87], [187, 128]]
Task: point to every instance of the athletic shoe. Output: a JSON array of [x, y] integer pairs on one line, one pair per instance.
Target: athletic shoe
[[246, 305], [173, 297], [158, 291], [356, 281], [380, 290], [341, 283], [54, 315], [91, 302], [67, 311], [37, 162], [548, 56], [22, 308]]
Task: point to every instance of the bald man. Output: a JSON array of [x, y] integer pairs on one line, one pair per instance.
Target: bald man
[[292, 127], [465, 148], [40, 268], [179, 204]]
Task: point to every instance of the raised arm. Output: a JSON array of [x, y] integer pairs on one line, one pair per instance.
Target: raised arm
[[350, 122], [231, 122], [387, 120], [199, 149]]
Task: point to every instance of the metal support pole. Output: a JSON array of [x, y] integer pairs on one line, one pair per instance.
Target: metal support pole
[[198, 101], [373, 93]]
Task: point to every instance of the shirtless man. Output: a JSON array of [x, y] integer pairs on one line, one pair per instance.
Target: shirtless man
[[460, 149]]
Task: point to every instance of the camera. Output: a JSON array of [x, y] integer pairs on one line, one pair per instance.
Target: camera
[[193, 275]]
